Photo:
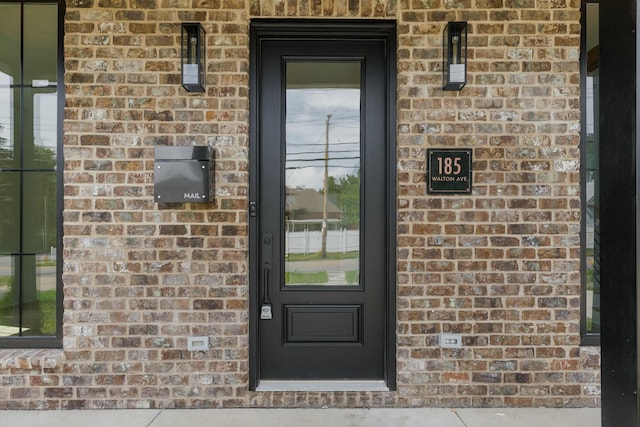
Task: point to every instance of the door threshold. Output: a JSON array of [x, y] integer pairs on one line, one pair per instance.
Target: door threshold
[[322, 385]]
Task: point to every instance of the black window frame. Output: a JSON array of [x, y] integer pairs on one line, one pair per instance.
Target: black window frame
[[49, 341], [588, 338]]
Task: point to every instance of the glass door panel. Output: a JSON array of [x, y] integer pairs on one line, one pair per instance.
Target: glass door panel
[[322, 174]]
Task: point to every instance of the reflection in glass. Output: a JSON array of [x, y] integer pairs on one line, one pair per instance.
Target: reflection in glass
[[28, 178], [9, 118], [39, 212], [39, 294], [40, 130], [30, 309], [322, 176], [40, 43], [10, 36], [9, 212], [9, 298], [9, 76], [592, 182]]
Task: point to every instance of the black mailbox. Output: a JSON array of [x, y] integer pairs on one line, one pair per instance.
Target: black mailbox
[[182, 174]]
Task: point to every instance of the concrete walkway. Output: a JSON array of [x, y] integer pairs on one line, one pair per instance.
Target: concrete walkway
[[403, 417]]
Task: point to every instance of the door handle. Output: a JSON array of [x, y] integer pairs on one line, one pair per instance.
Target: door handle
[[266, 283], [266, 312]]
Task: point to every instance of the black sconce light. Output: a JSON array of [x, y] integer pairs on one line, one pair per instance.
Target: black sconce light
[[454, 58], [193, 47]]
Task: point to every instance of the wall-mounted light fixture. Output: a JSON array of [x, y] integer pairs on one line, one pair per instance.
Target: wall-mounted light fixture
[[193, 50], [454, 58]]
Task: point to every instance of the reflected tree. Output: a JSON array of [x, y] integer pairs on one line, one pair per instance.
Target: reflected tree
[[347, 191]]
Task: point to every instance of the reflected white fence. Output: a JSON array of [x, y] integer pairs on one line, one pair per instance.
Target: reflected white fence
[[305, 242]]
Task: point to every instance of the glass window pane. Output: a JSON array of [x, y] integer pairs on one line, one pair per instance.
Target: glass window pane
[[9, 297], [9, 124], [40, 42], [39, 295], [40, 128], [47, 294], [9, 212], [39, 213], [10, 41], [28, 151], [592, 214], [322, 179]]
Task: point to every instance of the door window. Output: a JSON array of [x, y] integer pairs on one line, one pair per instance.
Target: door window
[[322, 178]]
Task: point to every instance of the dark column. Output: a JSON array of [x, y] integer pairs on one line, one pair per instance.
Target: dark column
[[618, 213]]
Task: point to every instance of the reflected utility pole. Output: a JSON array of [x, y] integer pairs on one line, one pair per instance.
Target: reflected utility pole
[[323, 251]]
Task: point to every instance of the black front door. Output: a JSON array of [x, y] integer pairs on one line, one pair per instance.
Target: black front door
[[320, 200]]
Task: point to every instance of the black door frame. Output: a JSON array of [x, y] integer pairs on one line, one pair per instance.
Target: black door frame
[[301, 29]]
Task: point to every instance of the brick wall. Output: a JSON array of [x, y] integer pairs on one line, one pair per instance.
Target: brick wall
[[501, 267]]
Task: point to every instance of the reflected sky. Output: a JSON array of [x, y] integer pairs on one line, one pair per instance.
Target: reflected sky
[[44, 115], [307, 113]]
